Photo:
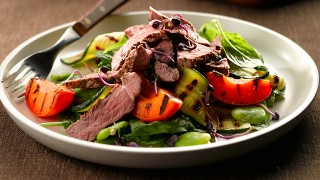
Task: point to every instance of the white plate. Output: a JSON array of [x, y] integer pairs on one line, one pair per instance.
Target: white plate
[[284, 56]]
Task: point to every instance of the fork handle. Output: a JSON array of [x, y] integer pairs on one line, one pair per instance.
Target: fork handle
[[103, 9]]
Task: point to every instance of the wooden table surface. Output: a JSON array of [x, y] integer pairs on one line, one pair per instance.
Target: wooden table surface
[[296, 155]]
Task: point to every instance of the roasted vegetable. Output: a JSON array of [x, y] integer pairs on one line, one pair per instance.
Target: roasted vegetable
[[250, 114], [45, 98], [238, 91], [223, 121], [193, 138], [277, 81], [111, 130], [155, 106], [100, 43], [191, 89]]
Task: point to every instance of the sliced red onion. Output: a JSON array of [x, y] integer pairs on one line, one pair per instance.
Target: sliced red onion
[[234, 135], [184, 28], [161, 53], [102, 80], [188, 37], [71, 75], [275, 115]]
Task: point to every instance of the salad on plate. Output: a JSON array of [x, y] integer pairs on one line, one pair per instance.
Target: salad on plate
[[163, 84]]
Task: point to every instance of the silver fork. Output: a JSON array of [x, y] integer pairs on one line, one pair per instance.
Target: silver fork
[[40, 63]]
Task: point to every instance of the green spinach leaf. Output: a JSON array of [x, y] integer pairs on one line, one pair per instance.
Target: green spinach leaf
[[178, 124], [236, 48]]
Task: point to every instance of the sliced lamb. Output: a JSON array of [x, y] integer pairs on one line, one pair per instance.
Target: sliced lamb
[[216, 43], [137, 59], [162, 64], [165, 72], [130, 31], [221, 66], [92, 80], [165, 47], [147, 34], [184, 28], [118, 103], [196, 57]]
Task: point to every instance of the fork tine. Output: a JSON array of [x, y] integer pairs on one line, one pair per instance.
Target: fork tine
[[21, 94], [13, 70], [19, 76], [24, 82]]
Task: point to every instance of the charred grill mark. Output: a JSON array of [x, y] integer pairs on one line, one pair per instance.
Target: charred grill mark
[[223, 94], [148, 106], [197, 106], [54, 98], [238, 89], [43, 102], [189, 87], [164, 104], [98, 48], [34, 100], [30, 86], [276, 79], [183, 95], [36, 90], [194, 82], [255, 84], [192, 85], [112, 38]]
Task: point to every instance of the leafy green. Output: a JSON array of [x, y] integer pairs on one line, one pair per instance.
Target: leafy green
[[68, 115], [107, 55], [156, 133], [82, 95], [236, 48], [208, 31], [178, 124], [105, 59], [157, 140], [274, 97]]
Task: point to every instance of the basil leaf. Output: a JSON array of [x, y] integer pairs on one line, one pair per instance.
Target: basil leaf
[[105, 59], [209, 31], [236, 48]]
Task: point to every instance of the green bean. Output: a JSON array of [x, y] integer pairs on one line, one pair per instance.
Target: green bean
[[250, 114], [59, 77], [193, 138], [59, 123], [111, 130]]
